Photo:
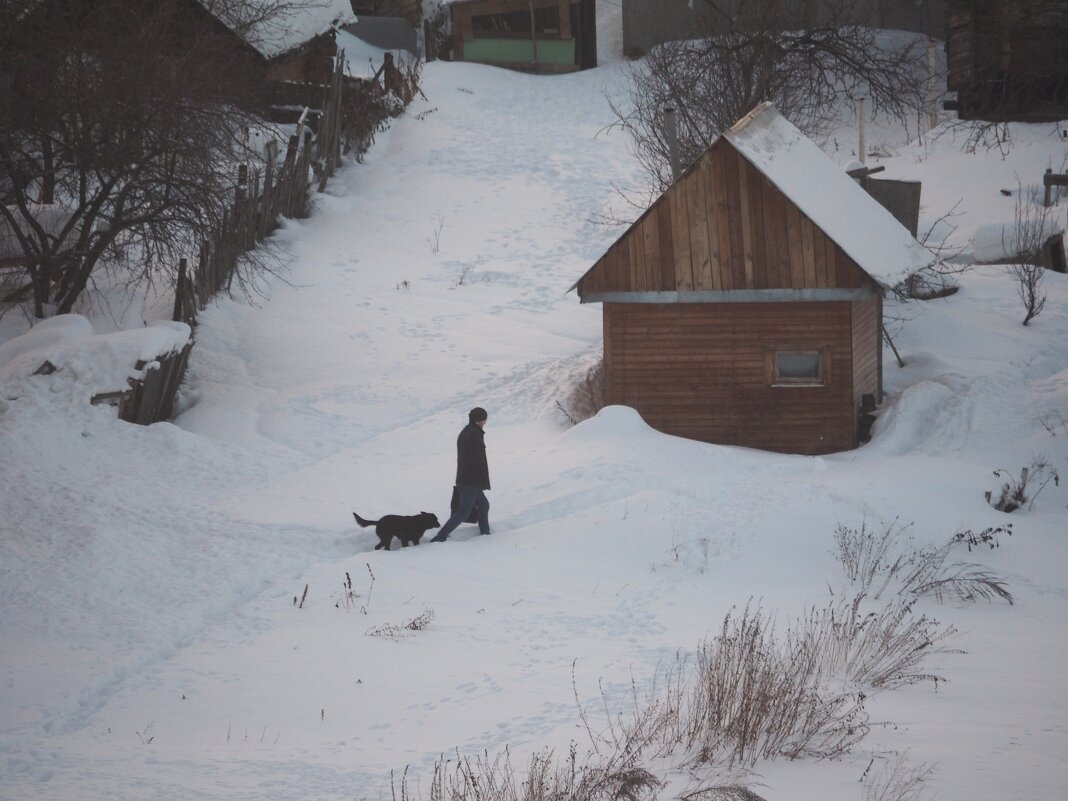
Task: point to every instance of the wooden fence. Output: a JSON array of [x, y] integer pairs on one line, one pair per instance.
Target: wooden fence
[[150, 399], [258, 203], [352, 111], [260, 199]]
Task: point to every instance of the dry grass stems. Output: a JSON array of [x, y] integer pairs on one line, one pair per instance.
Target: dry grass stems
[[587, 396], [486, 778], [896, 780], [1017, 492], [391, 631], [748, 694], [875, 563], [756, 696]]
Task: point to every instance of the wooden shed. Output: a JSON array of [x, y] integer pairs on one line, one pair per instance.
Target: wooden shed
[[744, 307], [529, 35]]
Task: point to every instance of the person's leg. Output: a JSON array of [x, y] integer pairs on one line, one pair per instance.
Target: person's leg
[[465, 503], [483, 506]]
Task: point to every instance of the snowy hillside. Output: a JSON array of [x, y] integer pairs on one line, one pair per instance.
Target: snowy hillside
[[156, 641]]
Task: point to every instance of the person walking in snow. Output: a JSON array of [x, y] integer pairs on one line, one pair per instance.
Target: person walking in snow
[[472, 476]]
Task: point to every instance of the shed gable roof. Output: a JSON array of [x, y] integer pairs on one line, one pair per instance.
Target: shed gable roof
[[823, 207], [852, 218]]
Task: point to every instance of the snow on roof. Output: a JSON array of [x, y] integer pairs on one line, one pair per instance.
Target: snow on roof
[[287, 25], [362, 60], [836, 203]]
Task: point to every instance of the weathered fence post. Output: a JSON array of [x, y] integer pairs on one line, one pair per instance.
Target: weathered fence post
[[242, 180], [179, 292]]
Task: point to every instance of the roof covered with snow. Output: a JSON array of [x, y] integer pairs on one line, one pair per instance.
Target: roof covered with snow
[[867, 232], [274, 27]]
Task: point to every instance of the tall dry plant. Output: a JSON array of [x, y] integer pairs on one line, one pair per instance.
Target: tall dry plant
[[1032, 227], [545, 778], [895, 780], [873, 650], [877, 562], [587, 395], [750, 695]]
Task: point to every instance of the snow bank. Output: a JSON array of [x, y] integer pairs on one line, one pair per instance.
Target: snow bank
[[997, 243], [94, 362]]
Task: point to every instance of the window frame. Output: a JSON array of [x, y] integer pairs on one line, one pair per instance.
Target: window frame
[[543, 16], [776, 380]]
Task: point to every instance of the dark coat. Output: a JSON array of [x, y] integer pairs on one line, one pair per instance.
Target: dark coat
[[472, 469]]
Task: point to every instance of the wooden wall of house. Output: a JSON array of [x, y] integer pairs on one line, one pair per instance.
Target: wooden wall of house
[[704, 371], [310, 64], [586, 52], [723, 226], [867, 349], [463, 12]]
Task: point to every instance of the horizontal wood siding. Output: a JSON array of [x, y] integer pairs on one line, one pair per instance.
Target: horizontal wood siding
[[867, 342], [702, 371], [723, 226]]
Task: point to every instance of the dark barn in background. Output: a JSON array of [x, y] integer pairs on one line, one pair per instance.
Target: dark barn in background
[[745, 306], [529, 35], [1007, 60]]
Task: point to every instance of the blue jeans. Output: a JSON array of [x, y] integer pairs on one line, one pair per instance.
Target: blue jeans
[[469, 498]]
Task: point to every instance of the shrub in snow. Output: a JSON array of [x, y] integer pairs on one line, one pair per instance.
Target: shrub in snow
[[587, 396], [392, 631], [485, 778], [875, 563], [1014, 493], [894, 779], [754, 695], [1026, 240]]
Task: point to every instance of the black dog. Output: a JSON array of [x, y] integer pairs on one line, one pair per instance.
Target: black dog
[[409, 529]]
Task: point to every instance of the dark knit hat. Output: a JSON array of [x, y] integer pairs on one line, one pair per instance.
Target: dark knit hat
[[477, 415]]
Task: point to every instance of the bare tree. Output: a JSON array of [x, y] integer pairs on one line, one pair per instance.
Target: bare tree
[[119, 122], [1032, 227], [805, 56]]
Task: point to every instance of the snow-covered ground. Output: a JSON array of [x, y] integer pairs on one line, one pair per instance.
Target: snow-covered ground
[[151, 643]]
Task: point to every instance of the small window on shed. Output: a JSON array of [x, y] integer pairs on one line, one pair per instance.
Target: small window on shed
[[798, 367]]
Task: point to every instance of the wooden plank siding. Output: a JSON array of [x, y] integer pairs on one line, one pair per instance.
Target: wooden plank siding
[[867, 349], [723, 226], [702, 371]]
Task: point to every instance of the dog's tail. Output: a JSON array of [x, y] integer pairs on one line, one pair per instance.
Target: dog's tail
[[362, 522]]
